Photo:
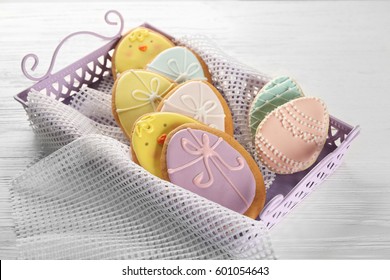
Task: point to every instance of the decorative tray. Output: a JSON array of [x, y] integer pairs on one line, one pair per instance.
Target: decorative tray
[[94, 69]]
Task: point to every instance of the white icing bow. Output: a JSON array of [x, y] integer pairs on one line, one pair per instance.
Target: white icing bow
[[184, 74], [198, 110], [180, 74]]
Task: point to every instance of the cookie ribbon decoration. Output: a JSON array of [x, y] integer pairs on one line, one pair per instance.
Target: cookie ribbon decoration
[[186, 73], [150, 96], [207, 153], [180, 73], [200, 111]]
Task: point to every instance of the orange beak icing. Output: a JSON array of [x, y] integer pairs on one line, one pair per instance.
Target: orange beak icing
[[143, 48], [161, 139]]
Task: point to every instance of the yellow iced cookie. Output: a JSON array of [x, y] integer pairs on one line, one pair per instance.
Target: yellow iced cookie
[[148, 137], [135, 93], [137, 48]]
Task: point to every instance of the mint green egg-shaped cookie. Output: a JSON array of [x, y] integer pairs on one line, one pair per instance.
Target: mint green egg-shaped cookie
[[274, 94], [179, 64]]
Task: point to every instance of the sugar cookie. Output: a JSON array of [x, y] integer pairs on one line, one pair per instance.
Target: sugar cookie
[[179, 64], [137, 48], [201, 101], [148, 136], [137, 92], [292, 136], [274, 94], [212, 164]]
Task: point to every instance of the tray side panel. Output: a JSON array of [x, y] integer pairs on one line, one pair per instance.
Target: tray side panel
[[340, 136], [83, 72]]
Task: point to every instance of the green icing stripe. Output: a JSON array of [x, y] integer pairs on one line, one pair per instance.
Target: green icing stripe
[[274, 94]]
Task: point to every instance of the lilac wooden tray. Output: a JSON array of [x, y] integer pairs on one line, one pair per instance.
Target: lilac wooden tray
[[286, 191]]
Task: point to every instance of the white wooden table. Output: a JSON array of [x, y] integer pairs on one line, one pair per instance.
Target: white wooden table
[[338, 51]]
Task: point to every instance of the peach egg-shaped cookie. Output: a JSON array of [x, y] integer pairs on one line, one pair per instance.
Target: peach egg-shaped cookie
[[179, 64], [135, 93], [201, 101], [148, 136], [137, 48], [292, 136], [214, 165]]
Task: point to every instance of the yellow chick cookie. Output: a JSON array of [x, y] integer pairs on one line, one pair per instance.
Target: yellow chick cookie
[[137, 48], [148, 137]]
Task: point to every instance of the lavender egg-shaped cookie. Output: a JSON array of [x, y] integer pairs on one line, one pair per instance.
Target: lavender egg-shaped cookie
[[212, 164]]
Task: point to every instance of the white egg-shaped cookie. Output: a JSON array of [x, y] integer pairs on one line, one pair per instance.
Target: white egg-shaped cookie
[[201, 101]]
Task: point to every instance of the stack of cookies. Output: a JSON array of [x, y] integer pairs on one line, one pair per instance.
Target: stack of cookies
[[289, 129], [181, 129]]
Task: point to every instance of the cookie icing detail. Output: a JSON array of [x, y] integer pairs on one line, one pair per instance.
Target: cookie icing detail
[[144, 125], [197, 100], [212, 161], [292, 115], [138, 35], [146, 137], [274, 94], [291, 137], [179, 64], [138, 92], [150, 96], [138, 48]]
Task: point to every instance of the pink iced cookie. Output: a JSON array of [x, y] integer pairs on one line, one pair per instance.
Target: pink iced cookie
[[292, 136], [212, 164]]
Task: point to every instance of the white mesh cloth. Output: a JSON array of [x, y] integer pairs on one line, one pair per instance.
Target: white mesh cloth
[[57, 124], [88, 200]]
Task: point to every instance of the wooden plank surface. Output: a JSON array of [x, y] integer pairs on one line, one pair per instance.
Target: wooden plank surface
[[338, 51]]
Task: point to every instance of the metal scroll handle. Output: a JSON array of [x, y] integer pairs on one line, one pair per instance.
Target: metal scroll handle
[[53, 59]]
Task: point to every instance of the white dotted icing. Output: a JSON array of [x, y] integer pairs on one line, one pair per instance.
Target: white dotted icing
[[283, 163]]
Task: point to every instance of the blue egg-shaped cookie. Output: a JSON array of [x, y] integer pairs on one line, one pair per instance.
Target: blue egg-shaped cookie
[[274, 94], [178, 64]]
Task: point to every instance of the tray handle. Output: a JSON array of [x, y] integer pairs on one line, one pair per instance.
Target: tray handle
[[53, 59]]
